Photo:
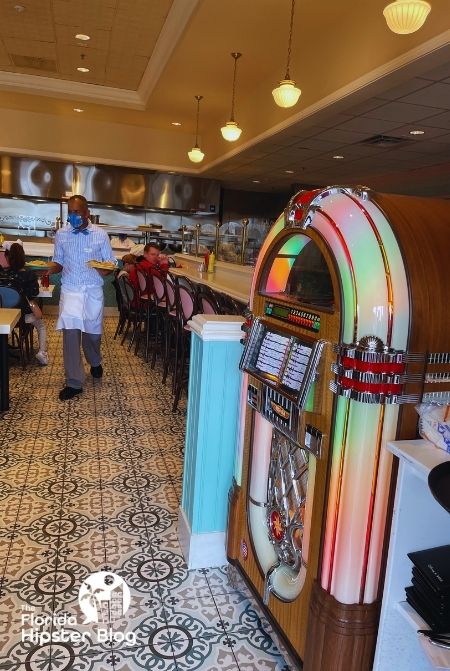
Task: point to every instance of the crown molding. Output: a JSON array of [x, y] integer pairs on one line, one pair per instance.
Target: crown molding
[[84, 159], [174, 26], [64, 88]]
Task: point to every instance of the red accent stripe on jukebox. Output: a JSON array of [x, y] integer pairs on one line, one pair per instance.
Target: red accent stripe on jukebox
[[383, 388], [390, 367]]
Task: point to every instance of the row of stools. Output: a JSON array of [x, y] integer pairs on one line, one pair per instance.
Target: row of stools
[[156, 314]]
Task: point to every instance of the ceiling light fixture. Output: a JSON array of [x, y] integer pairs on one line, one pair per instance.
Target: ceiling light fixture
[[256, 181], [406, 16], [81, 36], [196, 155], [289, 172], [77, 109], [176, 123], [338, 157], [287, 93], [417, 132], [83, 69], [231, 130]]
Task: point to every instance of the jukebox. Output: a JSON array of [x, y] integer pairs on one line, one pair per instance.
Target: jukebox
[[349, 329]]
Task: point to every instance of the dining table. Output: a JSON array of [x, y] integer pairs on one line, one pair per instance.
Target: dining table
[[8, 319]]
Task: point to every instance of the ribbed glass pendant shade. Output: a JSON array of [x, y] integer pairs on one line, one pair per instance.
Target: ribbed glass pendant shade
[[406, 16], [196, 155], [231, 131], [286, 94]]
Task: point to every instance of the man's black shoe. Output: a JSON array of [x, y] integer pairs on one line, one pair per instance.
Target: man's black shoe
[[68, 392], [97, 371]]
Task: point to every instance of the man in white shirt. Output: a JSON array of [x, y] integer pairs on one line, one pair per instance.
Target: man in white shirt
[[81, 304]]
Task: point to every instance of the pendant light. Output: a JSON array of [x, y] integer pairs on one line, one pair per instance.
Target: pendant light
[[406, 16], [231, 130], [196, 155], [287, 94]]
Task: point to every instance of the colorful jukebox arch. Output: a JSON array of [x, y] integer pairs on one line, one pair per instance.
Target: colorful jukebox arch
[[334, 353]]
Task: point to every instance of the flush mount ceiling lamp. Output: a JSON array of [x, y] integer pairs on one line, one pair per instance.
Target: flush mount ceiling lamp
[[406, 16], [196, 155], [231, 130], [83, 68], [287, 93]]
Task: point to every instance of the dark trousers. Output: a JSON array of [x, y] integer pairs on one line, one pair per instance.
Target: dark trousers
[[73, 340]]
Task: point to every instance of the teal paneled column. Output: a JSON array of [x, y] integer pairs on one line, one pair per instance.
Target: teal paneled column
[[211, 432]]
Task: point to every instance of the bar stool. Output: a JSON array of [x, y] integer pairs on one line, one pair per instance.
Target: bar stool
[[147, 305], [206, 301], [171, 326], [186, 308], [132, 309], [159, 295]]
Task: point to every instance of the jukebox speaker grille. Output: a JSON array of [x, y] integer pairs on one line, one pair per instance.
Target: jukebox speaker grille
[[286, 496]]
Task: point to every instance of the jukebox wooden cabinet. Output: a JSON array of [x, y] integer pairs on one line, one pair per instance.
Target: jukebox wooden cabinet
[[343, 342]]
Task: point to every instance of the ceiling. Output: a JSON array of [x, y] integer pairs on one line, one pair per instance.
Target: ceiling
[[147, 60]]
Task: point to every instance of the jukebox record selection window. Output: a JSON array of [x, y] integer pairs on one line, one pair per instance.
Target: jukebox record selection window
[[272, 354], [295, 369], [283, 359]]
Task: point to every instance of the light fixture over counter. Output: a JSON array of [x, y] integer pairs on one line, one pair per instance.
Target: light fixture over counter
[[287, 93], [196, 155], [231, 130], [406, 16]]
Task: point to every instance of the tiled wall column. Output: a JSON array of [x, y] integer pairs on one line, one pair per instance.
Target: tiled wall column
[[211, 431]]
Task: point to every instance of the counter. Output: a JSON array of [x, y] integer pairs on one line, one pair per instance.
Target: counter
[[45, 249], [227, 278]]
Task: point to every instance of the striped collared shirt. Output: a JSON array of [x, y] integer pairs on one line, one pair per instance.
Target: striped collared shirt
[[74, 250]]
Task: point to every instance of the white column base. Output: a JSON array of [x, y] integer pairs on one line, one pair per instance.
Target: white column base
[[200, 550]]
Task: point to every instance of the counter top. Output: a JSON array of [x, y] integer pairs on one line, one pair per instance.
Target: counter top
[[8, 319], [45, 249], [227, 278], [420, 454]]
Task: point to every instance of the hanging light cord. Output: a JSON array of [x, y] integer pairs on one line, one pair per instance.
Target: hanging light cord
[[198, 98], [235, 55], [290, 41]]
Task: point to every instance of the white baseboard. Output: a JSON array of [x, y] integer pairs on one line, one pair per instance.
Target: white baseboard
[[200, 550]]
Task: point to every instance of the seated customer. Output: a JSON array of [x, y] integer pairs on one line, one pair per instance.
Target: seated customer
[[26, 282], [129, 262], [152, 263]]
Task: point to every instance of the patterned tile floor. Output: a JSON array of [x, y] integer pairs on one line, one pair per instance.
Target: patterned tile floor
[[94, 484]]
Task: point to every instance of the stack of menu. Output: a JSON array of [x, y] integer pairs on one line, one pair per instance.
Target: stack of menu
[[429, 593]]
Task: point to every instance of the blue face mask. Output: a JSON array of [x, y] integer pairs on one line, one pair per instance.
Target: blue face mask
[[74, 219]]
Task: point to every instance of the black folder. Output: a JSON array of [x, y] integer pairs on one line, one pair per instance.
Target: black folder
[[434, 566], [435, 605], [434, 621]]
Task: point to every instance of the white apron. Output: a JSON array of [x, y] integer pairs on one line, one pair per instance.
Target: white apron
[[81, 308]]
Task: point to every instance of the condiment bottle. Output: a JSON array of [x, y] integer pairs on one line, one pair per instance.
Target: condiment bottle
[[211, 262]]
